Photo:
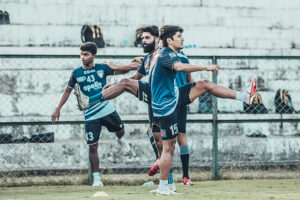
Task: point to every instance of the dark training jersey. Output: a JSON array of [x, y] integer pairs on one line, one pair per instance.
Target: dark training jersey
[[162, 79], [91, 82], [181, 76], [144, 67]]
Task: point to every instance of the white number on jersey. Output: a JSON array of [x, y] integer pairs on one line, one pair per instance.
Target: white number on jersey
[[90, 78], [174, 129]]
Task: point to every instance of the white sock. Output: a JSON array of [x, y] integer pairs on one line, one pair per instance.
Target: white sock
[[121, 139], [96, 176], [163, 184], [242, 96]]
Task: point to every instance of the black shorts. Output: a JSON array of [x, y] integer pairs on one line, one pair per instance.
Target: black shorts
[[169, 125], [182, 116], [112, 122], [144, 94]]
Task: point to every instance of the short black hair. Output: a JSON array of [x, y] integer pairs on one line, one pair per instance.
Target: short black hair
[[153, 30], [168, 31], [89, 46]]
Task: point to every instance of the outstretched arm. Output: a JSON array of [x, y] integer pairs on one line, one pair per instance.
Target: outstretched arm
[[138, 59], [136, 76], [62, 101], [123, 69], [178, 66]]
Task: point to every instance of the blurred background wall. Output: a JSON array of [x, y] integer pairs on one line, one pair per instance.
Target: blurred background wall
[[31, 86]]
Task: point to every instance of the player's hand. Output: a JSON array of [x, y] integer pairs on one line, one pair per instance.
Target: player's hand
[[214, 68], [55, 116], [138, 59], [107, 86]]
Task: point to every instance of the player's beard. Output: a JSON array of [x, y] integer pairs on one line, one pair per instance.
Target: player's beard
[[148, 48]]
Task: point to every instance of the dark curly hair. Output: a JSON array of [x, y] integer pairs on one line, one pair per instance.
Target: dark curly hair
[[89, 46], [168, 31], [153, 30]]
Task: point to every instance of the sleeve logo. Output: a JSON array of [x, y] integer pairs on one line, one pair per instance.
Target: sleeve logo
[[163, 133], [172, 55], [81, 79]]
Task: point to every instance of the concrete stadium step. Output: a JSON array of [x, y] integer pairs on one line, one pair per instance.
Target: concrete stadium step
[[65, 35]]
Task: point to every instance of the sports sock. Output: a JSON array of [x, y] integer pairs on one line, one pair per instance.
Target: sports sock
[[185, 155], [242, 96], [153, 144], [121, 139], [170, 179], [96, 98], [163, 184], [96, 176]]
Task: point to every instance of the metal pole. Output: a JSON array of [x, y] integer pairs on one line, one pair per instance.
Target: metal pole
[[215, 126]]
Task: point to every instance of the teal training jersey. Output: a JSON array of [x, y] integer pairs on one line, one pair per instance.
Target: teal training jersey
[[144, 67], [91, 82], [162, 79], [181, 76]]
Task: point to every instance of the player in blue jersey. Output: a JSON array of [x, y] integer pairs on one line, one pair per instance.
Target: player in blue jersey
[[140, 89], [91, 78], [167, 98]]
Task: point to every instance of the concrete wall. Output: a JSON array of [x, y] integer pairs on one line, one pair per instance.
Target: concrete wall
[[31, 88], [266, 24], [233, 151]]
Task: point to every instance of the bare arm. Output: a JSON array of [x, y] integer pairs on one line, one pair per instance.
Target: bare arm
[[138, 59], [62, 101], [136, 76], [193, 68], [123, 69]]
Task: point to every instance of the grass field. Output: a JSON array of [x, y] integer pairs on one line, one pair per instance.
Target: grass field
[[225, 189]]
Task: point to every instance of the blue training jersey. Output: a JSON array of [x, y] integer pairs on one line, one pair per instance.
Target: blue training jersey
[[91, 82], [181, 76], [145, 65], [162, 79]]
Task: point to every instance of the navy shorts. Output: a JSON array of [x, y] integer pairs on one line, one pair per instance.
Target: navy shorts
[[182, 116], [170, 124], [144, 94], [112, 122]]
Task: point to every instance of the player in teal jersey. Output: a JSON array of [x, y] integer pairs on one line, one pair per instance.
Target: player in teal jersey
[[167, 98], [140, 89], [91, 78]]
